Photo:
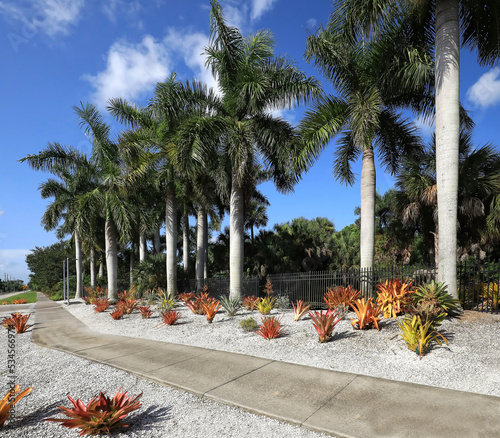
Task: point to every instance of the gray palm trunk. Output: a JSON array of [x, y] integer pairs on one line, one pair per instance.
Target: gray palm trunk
[[447, 137], [205, 248], [142, 246], [200, 248], [100, 274], [367, 238], [78, 260], [236, 240], [156, 242], [171, 241], [111, 258], [185, 240], [92, 267], [131, 266]]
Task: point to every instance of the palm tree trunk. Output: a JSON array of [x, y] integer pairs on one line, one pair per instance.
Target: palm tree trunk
[[200, 250], [111, 259], [157, 242], [205, 247], [100, 274], [92, 267], [185, 240], [132, 266], [447, 137], [171, 238], [142, 246], [236, 239], [367, 243], [78, 260]]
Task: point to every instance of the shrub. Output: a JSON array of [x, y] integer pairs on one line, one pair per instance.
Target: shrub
[[17, 321], [282, 302], [325, 322], [270, 327], [249, 325], [418, 336], [146, 312], [101, 415], [300, 309], [436, 291], [101, 304], [394, 297], [11, 398], [186, 296], [211, 307], [196, 306], [93, 294], [341, 295], [250, 303], [20, 301], [117, 313], [230, 305], [127, 305], [367, 313], [169, 317], [265, 305]]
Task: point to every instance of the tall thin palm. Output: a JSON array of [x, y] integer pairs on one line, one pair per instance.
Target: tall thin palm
[[252, 81], [364, 114], [75, 177], [110, 195], [445, 25]]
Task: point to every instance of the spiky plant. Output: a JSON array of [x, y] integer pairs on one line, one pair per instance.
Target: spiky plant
[[271, 327], [300, 309], [10, 399], [101, 415], [325, 322], [230, 305]]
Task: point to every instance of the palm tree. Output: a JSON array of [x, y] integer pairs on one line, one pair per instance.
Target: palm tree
[[252, 81], [75, 177], [479, 184], [445, 25], [110, 195], [364, 114], [161, 132]]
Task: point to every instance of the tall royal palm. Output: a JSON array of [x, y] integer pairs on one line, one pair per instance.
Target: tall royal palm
[[75, 176], [448, 24], [162, 131], [364, 113], [252, 82], [110, 195]]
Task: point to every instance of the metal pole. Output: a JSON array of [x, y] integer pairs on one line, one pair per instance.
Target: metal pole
[[67, 279], [64, 280]]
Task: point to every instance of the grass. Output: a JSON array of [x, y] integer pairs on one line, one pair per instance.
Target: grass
[[30, 296]]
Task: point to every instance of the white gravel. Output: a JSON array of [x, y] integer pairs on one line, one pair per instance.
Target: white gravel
[[470, 363]]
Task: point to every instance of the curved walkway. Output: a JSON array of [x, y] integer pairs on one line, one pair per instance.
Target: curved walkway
[[340, 404]]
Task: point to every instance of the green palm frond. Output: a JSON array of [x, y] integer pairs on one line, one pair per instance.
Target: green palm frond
[[346, 153]]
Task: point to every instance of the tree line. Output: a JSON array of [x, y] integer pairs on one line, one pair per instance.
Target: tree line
[[192, 151]]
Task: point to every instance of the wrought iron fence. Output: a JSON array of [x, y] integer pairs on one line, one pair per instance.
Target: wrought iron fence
[[478, 284]]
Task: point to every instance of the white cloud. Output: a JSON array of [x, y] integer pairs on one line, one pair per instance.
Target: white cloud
[[191, 47], [259, 7], [52, 17], [486, 91], [13, 263], [112, 8], [131, 70], [311, 24]]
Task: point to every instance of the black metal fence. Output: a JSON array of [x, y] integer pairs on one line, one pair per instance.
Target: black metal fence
[[478, 284]]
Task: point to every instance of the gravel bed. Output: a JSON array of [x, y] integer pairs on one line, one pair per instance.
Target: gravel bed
[[471, 363]]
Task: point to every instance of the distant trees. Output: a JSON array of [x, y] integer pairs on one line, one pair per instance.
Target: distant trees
[[46, 264]]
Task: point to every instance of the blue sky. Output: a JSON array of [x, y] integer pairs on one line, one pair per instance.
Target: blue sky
[[57, 53]]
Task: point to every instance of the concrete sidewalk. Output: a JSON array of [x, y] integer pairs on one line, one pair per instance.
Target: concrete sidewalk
[[340, 404]]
